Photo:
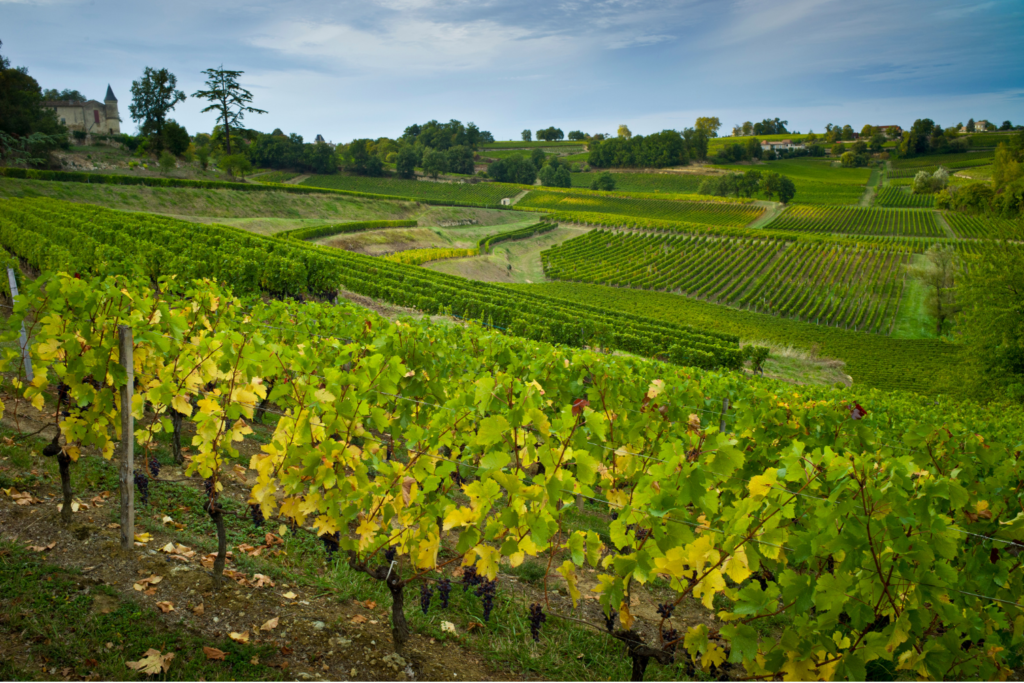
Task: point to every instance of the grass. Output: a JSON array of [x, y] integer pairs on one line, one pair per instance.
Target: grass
[[475, 193], [48, 609], [912, 319], [677, 183]]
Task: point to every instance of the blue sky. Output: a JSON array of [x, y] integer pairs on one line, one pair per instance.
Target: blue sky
[[365, 69]]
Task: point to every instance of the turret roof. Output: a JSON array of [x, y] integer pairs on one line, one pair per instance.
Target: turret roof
[[110, 95]]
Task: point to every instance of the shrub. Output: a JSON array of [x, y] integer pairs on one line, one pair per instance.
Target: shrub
[[604, 181], [167, 162]]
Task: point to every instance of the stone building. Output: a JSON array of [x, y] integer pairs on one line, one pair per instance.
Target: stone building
[[91, 117]]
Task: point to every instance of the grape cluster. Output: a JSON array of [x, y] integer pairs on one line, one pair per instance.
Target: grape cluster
[[470, 578], [330, 542], [142, 483], [426, 592], [486, 592], [457, 478], [154, 467], [609, 622], [667, 637], [256, 511], [537, 617], [208, 485], [665, 610], [641, 532], [444, 588], [390, 553]]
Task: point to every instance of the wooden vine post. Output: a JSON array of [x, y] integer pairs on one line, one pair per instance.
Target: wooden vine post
[[26, 357], [127, 468]]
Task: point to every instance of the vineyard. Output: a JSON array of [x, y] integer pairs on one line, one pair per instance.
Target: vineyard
[[824, 283], [413, 449], [483, 194], [858, 221], [983, 227], [705, 213], [679, 183], [416, 257], [895, 197], [933, 161], [52, 235]]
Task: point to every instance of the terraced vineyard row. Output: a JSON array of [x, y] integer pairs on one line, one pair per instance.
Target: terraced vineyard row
[[485, 194], [705, 213], [858, 221], [974, 227], [895, 197], [824, 283]]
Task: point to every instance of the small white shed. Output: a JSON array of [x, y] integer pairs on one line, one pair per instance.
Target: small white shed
[[507, 201]]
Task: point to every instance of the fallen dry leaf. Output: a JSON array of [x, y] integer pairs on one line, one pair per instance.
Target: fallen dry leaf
[[166, 520], [369, 604], [153, 662], [199, 609], [285, 650], [143, 537], [270, 624], [114, 525], [473, 625], [448, 627], [256, 660], [262, 581], [165, 606], [214, 653], [239, 471], [151, 591], [290, 595], [358, 619], [43, 548], [74, 506], [242, 637], [91, 663]]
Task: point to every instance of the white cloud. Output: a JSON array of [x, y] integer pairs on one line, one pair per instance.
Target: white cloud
[[410, 45], [639, 41]]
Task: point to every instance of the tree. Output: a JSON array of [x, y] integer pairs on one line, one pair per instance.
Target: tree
[[937, 272], [1006, 126], [992, 321], [167, 162], [868, 130], [175, 138], [577, 135], [408, 160], [708, 125], [748, 128], [970, 125], [527, 135], [847, 132], [235, 164], [515, 169], [604, 182], [838, 149], [227, 98], [21, 104], [66, 95], [1006, 167], [434, 163], [877, 142], [786, 189], [550, 134], [624, 132], [929, 183], [153, 97], [319, 158], [537, 156]]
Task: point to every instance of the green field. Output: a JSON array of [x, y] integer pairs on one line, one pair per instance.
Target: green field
[[706, 213], [677, 183], [487, 194]]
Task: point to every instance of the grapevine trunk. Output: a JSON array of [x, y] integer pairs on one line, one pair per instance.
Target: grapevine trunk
[[176, 419], [65, 486], [217, 515], [399, 626]]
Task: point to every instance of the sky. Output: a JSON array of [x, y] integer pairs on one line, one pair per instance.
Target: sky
[[368, 68]]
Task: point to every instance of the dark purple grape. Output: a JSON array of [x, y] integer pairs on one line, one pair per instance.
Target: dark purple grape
[[470, 578], [537, 617], [331, 543], [257, 515], [426, 592], [486, 592], [390, 553], [667, 637], [154, 467], [444, 588], [665, 610], [142, 483]]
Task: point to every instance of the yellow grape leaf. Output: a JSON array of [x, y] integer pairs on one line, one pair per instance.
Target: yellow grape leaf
[[761, 484], [153, 662], [656, 389], [713, 657], [459, 517], [696, 640], [737, 566], [290, 595], [426, 554], [711, 584], [143, 537], [488, 564], [38, 402], [242, 637], [182, 405], [568, 570], [625, 617], [799, 670], [673, 562]]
